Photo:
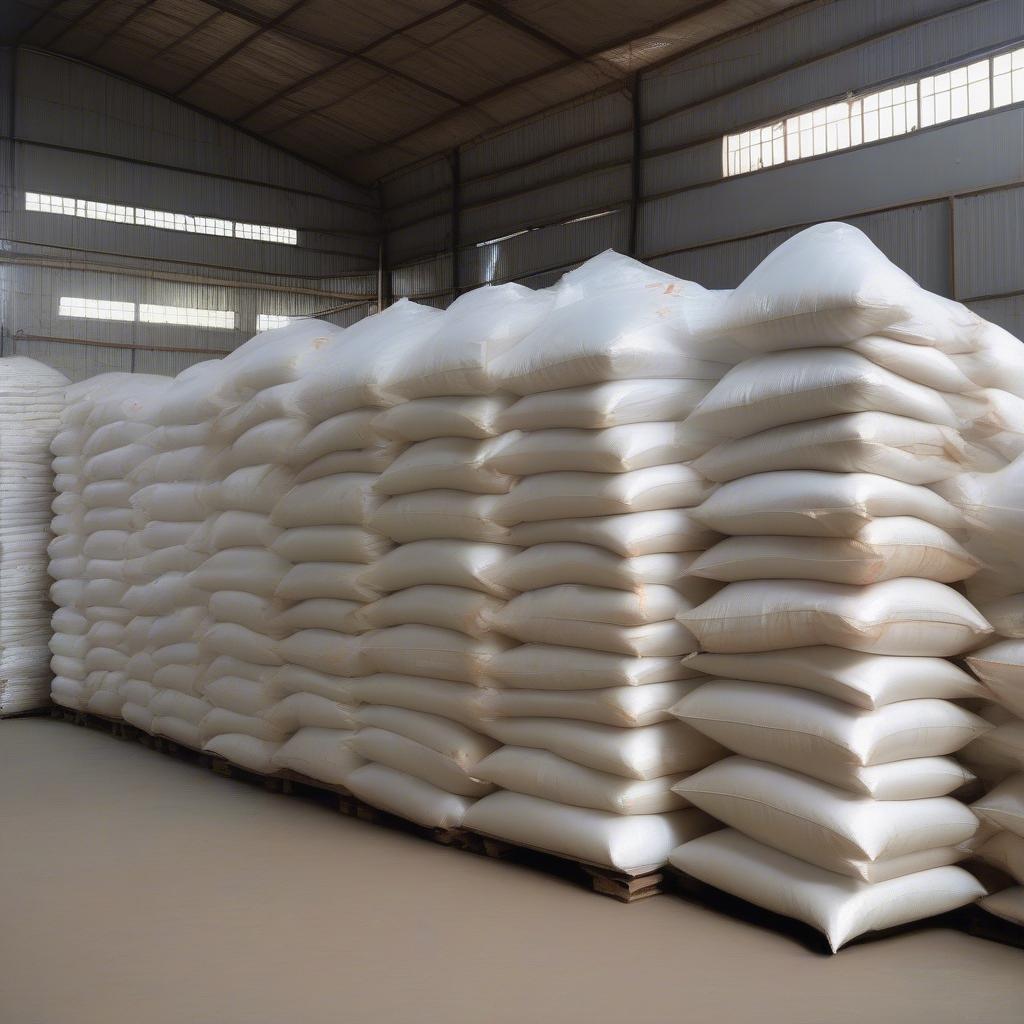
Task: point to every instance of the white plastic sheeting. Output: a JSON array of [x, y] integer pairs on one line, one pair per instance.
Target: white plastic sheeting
[[31, 399]]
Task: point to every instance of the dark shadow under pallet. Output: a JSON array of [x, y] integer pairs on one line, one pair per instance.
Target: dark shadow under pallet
[[607, 882], [980, 923], [625, 888], [695, 891]]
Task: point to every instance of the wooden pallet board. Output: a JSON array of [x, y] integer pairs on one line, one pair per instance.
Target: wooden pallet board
[[40, 712], [605, 881], [980, 923]]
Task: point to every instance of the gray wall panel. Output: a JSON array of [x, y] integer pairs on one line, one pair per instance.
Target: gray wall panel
[[556, 246], [576, 124], [83, 134], [990, 243], [963, 156], [797, 37], [905, 53]]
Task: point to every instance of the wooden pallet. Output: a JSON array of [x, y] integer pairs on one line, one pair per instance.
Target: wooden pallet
[[607, 882], [980, 923], [40, 712]]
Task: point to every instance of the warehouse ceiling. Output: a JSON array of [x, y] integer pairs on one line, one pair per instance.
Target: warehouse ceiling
[[365, 87]]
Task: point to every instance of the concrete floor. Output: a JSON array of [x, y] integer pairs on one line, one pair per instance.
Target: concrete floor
[[136, 888]]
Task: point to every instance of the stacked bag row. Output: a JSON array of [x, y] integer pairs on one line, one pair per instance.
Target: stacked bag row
[[597, 492], [993, 505], [830, 643], [96, 555], [31, 402]]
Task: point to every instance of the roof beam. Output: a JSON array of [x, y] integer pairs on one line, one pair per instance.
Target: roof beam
[[229, 7], [556, 66], [38, 20], [185, 36], [495, 10], [122, 24], [324, 72], [262, 29], [86, 12]]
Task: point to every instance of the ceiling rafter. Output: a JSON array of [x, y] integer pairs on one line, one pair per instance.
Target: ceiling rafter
[[185, 36], [42, 16], [323, 72], [496, 10], [120, 26], [346, 97], [263, 29], [523, 79], [77, 20], [290, 32]]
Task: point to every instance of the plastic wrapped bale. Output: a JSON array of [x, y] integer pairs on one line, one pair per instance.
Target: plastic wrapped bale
[[32, 397]]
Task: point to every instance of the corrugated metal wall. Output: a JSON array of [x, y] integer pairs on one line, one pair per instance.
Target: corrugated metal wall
[[946, 203], [70, 130]]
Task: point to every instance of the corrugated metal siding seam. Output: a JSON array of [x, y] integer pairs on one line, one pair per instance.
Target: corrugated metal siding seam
[[424, 238], [547, 205], [589, 159], [989, 241], [584, 120]]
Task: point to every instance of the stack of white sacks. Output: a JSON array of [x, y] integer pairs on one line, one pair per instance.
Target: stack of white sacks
[[94, 555], [861, 393], [594, 456], [325, 543], [164, 689], [430, 633], [470, 565], [31, 401], [993, 505]]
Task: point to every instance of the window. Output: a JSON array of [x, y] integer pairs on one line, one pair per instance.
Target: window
[[272, 321], [884, 114], [264, 233], [90, 209], [220, 319], [95, 309]]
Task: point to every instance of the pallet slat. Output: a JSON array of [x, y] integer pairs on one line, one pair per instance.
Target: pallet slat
[[619, 886]]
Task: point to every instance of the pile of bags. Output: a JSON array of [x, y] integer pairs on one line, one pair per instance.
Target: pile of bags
[[94, 553], [993, 505], [31, 400], [862, 394], [593, 463], [594, 569]]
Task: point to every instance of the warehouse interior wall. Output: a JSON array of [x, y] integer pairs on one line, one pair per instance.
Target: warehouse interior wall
[[635, 168], [640, 169], [70, 130]]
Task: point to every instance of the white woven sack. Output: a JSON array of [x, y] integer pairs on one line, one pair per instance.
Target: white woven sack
[[842, 908], [824, 825], [883, 549], [610, 404], [862, 680], [902, 617], [542, 774], [633, 844], [645, 752], [893, 753], [806, 503]]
